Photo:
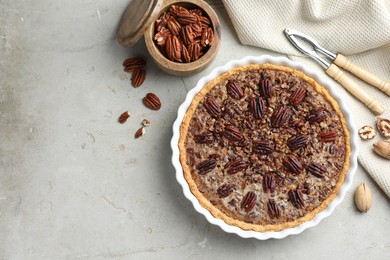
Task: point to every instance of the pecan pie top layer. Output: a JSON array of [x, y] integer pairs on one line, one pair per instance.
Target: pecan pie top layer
[[264, 147]]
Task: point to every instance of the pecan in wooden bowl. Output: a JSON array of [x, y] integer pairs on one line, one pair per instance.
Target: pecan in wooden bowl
[[182, 37], [264, 147]]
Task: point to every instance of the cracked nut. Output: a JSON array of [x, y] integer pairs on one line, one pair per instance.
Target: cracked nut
[[145, 122], [382, 148], [383, 126], [363, 197], [367, 132]]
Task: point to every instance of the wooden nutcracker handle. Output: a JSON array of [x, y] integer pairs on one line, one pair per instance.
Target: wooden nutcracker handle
[[363, 74], [354, 89]]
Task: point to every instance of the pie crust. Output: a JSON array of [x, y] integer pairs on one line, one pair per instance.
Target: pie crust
[[291, 212]]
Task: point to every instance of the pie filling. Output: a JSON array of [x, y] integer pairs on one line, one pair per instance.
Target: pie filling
[[263, 146]]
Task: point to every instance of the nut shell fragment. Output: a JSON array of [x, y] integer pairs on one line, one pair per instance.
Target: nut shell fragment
[[363, 197], [367, 132], [382, 148], [383, 126]]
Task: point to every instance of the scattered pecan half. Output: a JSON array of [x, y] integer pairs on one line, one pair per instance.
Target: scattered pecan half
[[297, 142], [123, 117], [140, 132], [235, 166], [292, 164], [317, 170], [152, 101], [280, 116], [225, 190], [249, 201], [206, 166], [138, 77], [132, 64], [212, 107], [273, 209], [296, 198], [234, 90], [298, 96], [269, 183]]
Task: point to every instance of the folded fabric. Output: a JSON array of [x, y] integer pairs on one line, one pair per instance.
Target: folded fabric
[[359, 29]]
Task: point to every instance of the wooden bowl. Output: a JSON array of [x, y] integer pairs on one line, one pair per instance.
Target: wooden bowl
[[178, 68]]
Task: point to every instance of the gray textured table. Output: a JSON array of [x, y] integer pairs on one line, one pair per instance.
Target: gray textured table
[[75, 184]]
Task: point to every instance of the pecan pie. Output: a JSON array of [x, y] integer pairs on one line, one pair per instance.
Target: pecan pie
[[264, 147]]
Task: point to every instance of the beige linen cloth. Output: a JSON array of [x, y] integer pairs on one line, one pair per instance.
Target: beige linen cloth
[[359, 29]]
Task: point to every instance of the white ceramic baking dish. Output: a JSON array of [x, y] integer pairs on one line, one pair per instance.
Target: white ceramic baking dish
[[233, 229]]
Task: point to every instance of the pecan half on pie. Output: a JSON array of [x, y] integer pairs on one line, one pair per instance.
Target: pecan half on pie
[[264, 147]]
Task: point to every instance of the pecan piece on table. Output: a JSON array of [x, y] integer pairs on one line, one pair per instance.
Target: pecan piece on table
[[296, 198], [138, 77], [317, 115], [123, 117], [249, 201], [262, 147], [204, 138], [265, 88], [273, 209], [140, 132], [232, 133], [327, 136], [234, 90], [298, 96], [235, 166], [280, 116], [292, 164], [297, 142], [317, 170], [257, 107], [152, 101], [132, 64], [206, 166], [212, 107], [225, 190], [269, 183]]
